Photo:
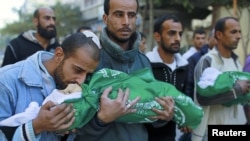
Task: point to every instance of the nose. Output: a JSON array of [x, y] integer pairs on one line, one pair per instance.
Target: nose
[[52, 20], [125, 19], [239, 35], [177, 37]]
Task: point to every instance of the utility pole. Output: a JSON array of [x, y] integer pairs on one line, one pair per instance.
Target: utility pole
[[235, 8]]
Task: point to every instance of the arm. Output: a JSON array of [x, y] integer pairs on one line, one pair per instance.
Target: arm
[[58, 118], [239, 88], [222, 98], [6, 104]]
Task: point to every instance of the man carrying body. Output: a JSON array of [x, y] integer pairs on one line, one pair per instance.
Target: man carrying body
[[222, 58], [36, 77], [120, 51], [168, 66]]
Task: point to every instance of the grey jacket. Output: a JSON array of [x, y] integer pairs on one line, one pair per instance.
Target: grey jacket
[[214, 59], [114, 57]]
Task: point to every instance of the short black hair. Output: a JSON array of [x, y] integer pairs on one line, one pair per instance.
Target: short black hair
[[199, 31], [143, 35], [37, 11], [78, 40], [107, 6], [220, 24], [159, 21]]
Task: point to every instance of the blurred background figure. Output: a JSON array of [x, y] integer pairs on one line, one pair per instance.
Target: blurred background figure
[[199, 39], [193, 60], [83, 28], [31, 41], [143, 44]]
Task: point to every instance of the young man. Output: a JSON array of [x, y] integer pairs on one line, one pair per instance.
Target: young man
[[192, 61], [36, 77], [168, 66], [29, 42], [221, 57], [199, 39], [120, 51]]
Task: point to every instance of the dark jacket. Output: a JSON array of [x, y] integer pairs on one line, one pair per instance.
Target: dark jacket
[[24, 46], [193, 60], [114, 57], [178, 78]]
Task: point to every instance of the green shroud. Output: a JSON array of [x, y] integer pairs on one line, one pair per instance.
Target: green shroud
[[140, 83], [224, 82]]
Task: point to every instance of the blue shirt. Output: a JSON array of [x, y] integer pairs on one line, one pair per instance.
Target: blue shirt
[[22, 83]]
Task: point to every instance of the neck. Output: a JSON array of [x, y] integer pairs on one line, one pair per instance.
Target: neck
[[224, 52], [50, 66], [167, 58], [43, 42], [124, 46]]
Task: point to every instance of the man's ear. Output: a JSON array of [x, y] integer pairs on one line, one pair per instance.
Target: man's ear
[[59, 54], [105, 18], [157, 36], [35, 21], [218, 34]]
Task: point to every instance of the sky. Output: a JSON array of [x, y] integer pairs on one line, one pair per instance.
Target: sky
[[6, 13]]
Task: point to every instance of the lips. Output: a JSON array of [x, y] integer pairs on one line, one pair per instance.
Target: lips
[[50, 28]]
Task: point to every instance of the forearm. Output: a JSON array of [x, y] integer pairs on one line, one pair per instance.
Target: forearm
[[221, 98]]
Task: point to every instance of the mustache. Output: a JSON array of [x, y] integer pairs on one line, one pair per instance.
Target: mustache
[[176, 44], [125, 29], [51, 26]]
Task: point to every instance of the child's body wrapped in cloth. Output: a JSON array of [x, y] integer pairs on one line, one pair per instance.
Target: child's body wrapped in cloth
[[85, 99], [213, 82]]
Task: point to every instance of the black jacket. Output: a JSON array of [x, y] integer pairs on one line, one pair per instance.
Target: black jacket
[[193, 60], [178, 78], [23, 46]]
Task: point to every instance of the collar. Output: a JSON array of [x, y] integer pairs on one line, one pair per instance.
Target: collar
[[154, 57], [32, 67]]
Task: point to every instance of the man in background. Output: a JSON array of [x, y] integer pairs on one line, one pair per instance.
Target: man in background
[[120, 51], [199, 39], [192, 60], [168, 66], [29, 42], [222, 58]]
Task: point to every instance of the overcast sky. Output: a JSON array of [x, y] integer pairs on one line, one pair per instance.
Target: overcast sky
[[6, 13]]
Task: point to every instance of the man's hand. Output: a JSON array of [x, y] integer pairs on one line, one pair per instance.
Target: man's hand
[[244, 85], [111, 109], [185, 129], [53, 117], [168, 109]]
